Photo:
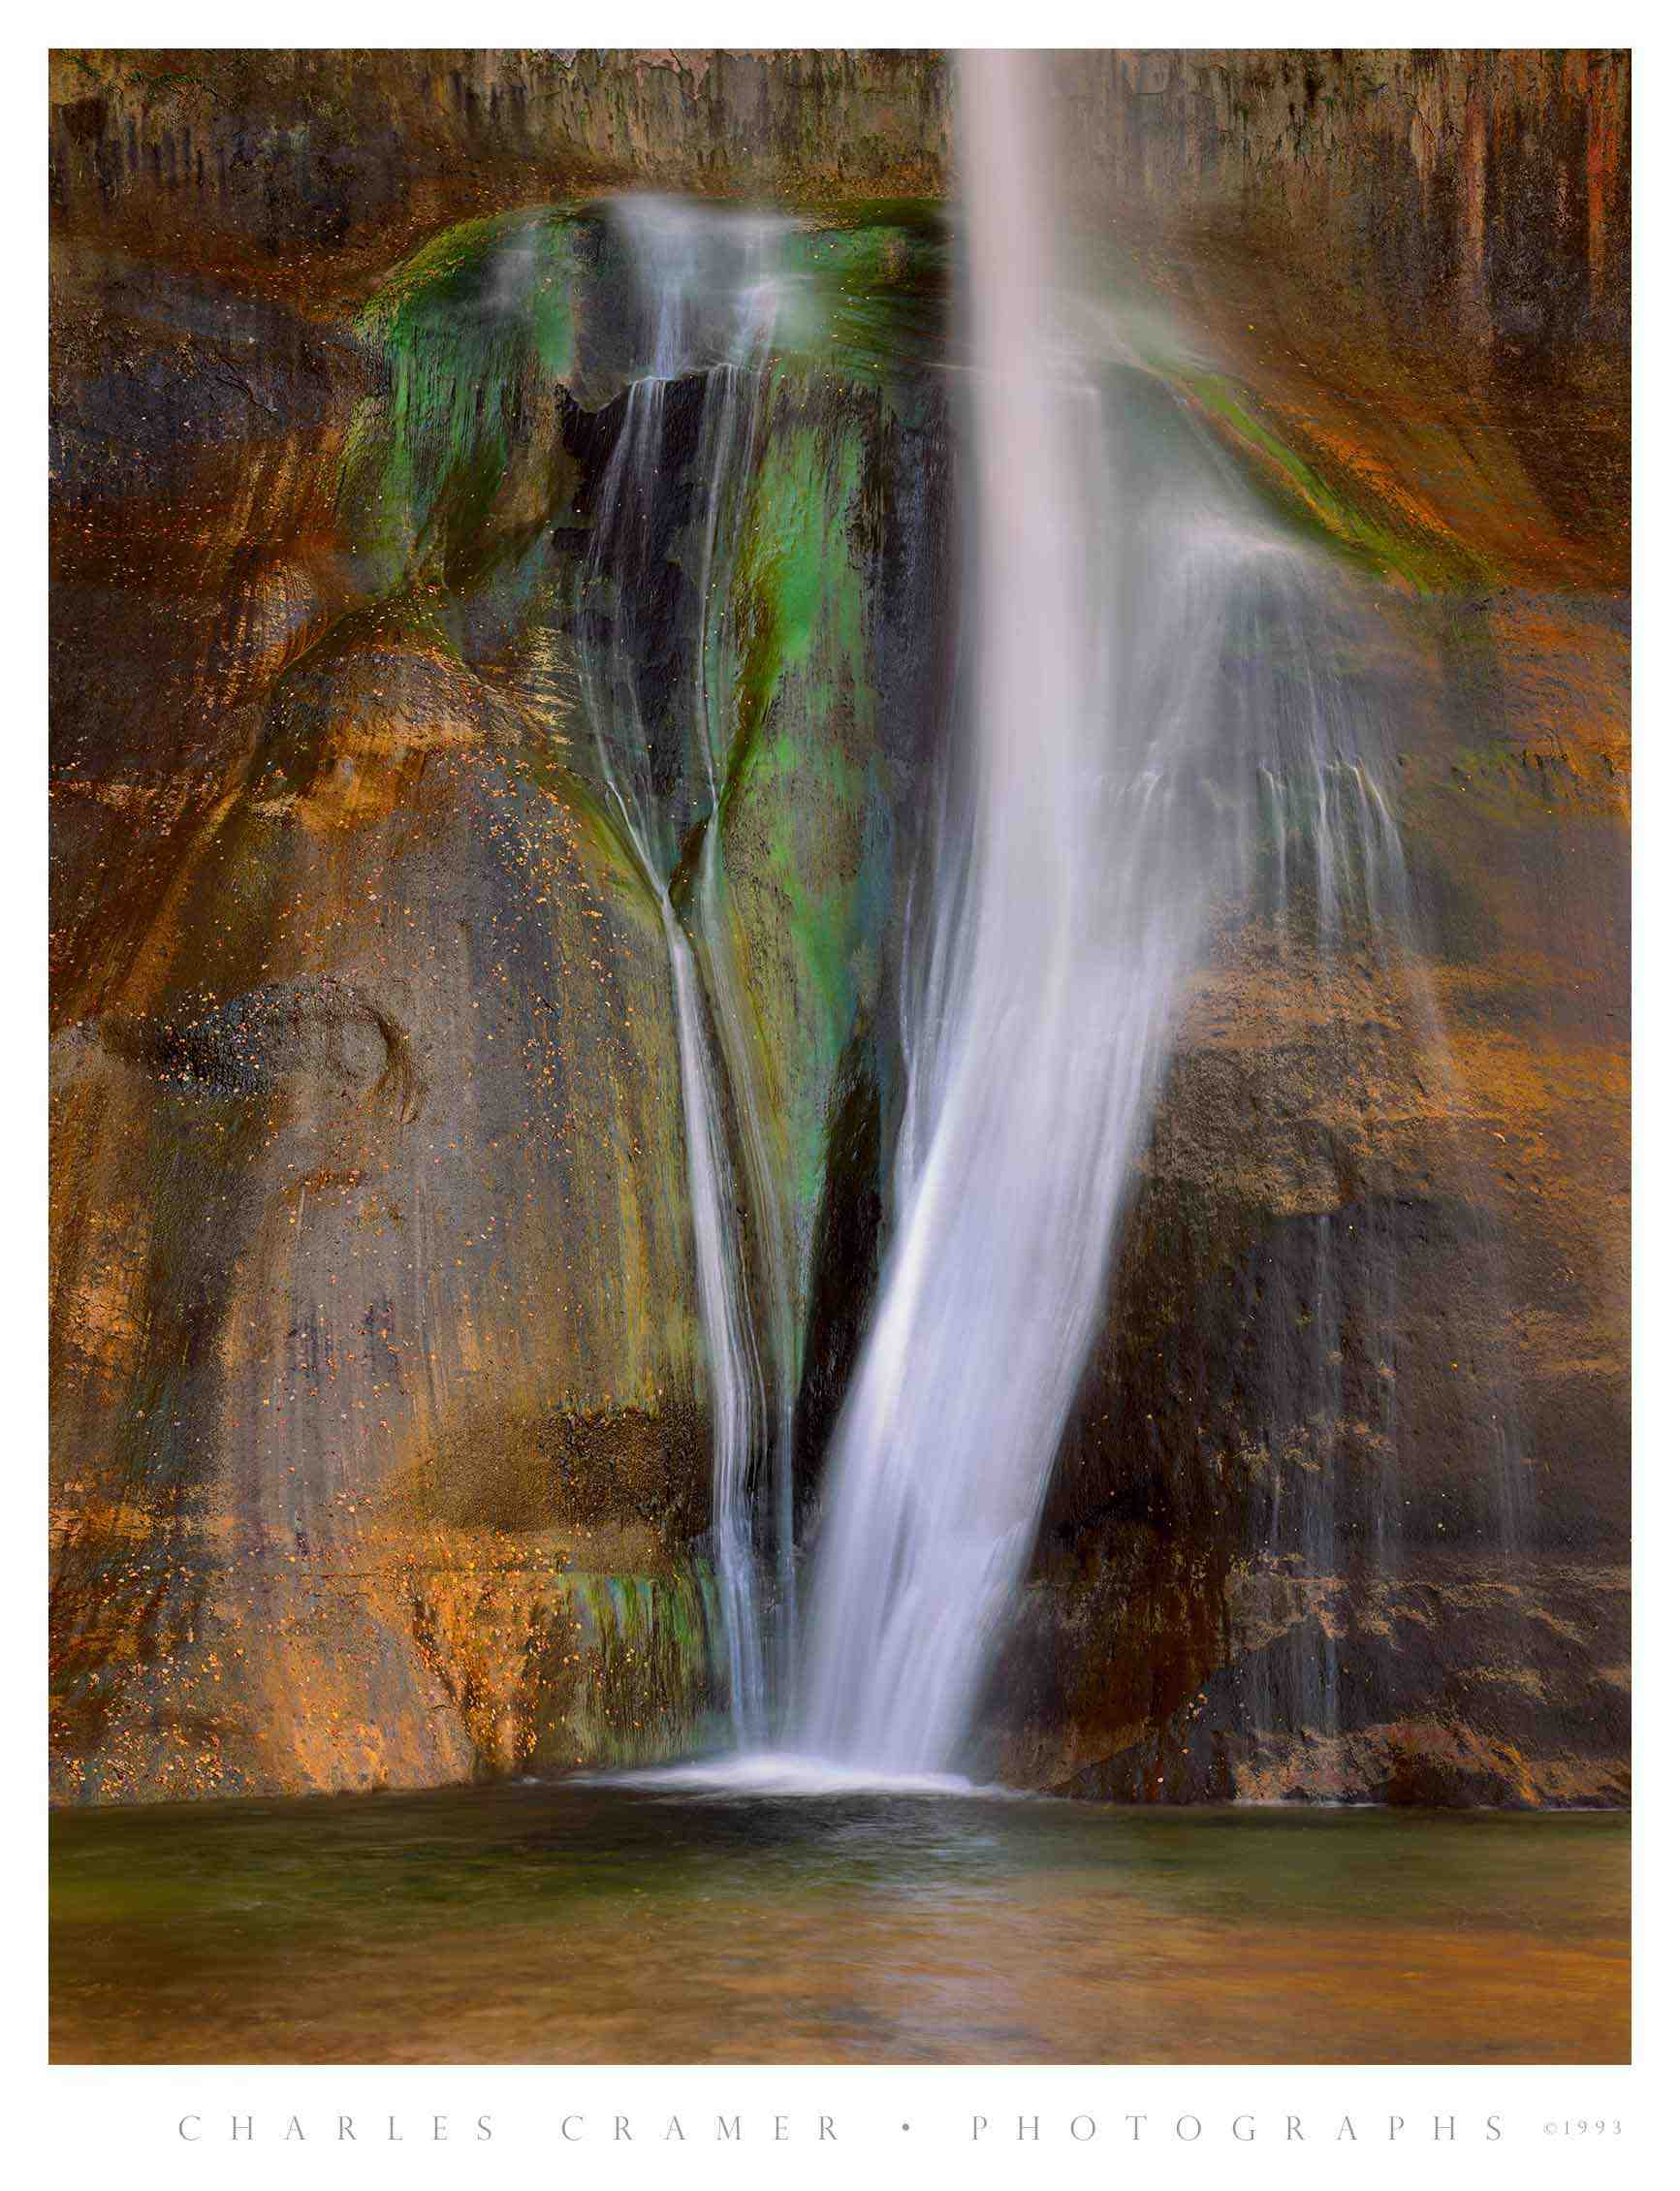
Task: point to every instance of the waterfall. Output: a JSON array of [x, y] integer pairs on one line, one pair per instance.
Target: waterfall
[[1063, 916], [725, 1324], [1165, 756], [709, 299], [1156, 733]]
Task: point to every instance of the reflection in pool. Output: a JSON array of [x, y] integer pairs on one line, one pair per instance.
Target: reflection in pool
[[685, 1922]]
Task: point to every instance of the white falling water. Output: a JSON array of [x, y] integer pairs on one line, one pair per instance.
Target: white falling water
[[709, 284], [734, 392], [1060, 936], [732, 1362]]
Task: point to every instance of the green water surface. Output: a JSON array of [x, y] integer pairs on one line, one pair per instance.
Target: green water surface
[[579, 1922]]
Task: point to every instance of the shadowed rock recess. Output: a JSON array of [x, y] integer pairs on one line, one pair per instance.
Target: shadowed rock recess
[[382, 1427]]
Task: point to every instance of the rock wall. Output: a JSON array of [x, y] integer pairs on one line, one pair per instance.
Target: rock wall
[[380, 1437]]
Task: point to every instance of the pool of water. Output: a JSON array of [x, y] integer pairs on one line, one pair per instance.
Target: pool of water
[[683, 1922]]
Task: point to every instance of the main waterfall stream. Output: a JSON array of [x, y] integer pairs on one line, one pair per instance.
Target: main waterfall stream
[[1066, 899]]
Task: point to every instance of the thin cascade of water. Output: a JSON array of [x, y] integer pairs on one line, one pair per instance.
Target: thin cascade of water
[[707, 282], [1332, 1531], [725, 1322], [731, 435]]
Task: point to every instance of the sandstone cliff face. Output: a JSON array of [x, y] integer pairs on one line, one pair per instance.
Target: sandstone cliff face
[[381, 1434]]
